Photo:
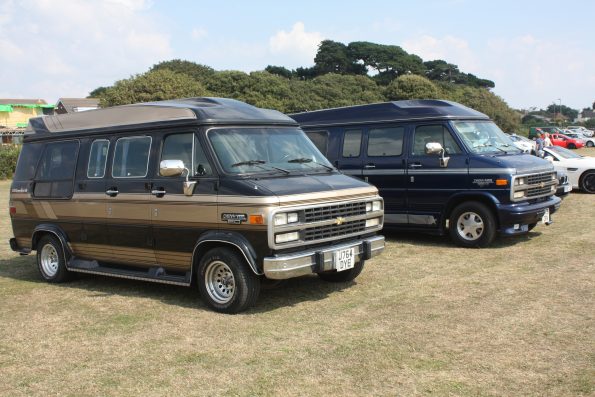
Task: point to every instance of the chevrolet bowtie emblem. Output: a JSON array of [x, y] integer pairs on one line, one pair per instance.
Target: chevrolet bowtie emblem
[[541, 184], [339, 221]]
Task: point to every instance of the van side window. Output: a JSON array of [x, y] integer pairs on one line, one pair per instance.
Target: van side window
[[56, 170], [320, 140], [131, 157], [385, 141], [184, 147], [27, 161], [97, 158], [352, 142], [434, 133]]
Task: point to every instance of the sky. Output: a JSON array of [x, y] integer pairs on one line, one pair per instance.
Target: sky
[[536, 52]]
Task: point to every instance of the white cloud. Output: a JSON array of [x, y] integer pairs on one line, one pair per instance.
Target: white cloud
[[198, 33], [449, 48], [65, 48], [296, 45]]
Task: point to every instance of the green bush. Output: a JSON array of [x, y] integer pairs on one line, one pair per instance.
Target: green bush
[[8, 160]]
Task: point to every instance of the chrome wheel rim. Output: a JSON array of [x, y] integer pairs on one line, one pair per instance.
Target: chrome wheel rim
[[49, 260], [220, 282], [470, 226]]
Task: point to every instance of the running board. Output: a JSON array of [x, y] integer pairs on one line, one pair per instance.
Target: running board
[[154, 274]]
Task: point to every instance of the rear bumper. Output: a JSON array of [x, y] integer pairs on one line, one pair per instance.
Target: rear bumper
[[515, 218], [15, 247], [281, 267]]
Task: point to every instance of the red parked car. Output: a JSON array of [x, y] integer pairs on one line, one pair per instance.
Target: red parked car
[[566, 141]]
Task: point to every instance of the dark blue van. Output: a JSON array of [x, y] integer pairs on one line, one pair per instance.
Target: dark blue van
[[440, 167]]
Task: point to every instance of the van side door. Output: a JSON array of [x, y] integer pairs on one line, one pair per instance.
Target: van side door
[[178, 219], [128, 195], [430, 186], [349, 153], [384, 167]]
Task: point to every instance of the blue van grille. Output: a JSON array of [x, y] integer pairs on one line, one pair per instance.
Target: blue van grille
[[539, 191], [329, 231], [538, 178], [318, 214]]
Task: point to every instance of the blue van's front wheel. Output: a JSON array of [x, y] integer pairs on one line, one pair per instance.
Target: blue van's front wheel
[[472, 224]]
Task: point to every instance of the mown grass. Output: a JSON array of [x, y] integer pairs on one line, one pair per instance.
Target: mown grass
[[426, 318]]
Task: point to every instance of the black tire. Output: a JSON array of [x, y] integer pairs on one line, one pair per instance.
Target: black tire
[[588, 182], [532, 226], [472, 225], [571, 146], [334, 276], [590, 144], [225, 281], [50, 260]]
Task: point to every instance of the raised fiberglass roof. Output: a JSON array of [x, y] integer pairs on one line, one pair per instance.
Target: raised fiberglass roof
[[181, 111], [419, 109]]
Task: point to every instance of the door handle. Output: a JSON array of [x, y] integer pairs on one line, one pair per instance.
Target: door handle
[[158, 193], [415, 165], [369, 166], [112, 192]]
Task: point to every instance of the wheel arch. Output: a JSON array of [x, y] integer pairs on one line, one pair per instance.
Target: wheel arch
[[485, 198], [234, 240], [582, 176], [48, 228]]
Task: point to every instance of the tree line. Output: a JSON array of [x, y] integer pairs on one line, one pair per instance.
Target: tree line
[[342, 75]]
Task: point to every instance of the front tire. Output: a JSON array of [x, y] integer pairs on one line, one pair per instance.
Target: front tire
[[571, 146], [50, 260], [588, 182], [225, 281], [472, 225], [345, 276], [590, 144]]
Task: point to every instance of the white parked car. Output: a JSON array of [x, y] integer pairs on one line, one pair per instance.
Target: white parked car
[[589, 141], [525, 144], [581, 130], [580, 169]]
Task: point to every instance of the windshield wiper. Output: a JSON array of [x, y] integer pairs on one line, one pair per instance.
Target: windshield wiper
[[304, 160], [249, 162]]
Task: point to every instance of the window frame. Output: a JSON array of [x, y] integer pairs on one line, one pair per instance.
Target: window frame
[[361, 140], [106, 158], [148, 156], [369, 135], [453, 136], [37, 180]]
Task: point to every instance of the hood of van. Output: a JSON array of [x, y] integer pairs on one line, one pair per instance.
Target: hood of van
[[517, 164], [300, 184]]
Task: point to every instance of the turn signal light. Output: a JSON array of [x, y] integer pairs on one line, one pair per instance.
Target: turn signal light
[[501, 182], [256, 219], [13, 211]]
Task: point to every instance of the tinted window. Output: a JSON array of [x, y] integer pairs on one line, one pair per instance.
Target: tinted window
[[58, 161], [320, 140], [131, 157], [27, 161], [434, 133], [97, 158], [385, 141], [182, 147], [352, 143]]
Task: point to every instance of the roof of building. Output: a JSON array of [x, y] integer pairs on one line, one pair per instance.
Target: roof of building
[[71, 104], [419, 109], [22, 102], [180, 111]]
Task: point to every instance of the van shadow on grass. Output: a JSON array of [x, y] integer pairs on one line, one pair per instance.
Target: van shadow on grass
[[286, 294], [444, 241]]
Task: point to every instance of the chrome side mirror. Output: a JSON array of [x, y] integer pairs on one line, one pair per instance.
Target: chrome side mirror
[[176, 168], [436, 148]]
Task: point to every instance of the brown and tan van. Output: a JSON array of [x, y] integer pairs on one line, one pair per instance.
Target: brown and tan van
[[209, 191]]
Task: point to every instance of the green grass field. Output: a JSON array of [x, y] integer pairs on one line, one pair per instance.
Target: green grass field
[[425, 318]]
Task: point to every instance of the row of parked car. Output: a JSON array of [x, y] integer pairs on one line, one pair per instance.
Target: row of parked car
[[224, 195]]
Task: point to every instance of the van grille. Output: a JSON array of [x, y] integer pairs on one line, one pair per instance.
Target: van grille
[[318, 214], [539, 191], [328, 231], [538, 178]]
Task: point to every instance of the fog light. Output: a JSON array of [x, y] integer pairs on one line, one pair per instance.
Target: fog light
[[286, 237], [372, 222], [517, 226]]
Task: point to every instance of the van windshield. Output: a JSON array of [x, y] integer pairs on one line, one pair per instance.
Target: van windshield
[[484, 137], [244, 150]]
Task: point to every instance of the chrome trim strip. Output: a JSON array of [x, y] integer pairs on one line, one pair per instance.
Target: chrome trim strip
[[128, 277]]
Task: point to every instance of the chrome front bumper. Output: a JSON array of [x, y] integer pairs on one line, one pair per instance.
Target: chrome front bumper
[[280, 267]]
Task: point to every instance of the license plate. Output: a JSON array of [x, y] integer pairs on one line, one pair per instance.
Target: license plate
[[546, 216], [567, 189], [344, 259]]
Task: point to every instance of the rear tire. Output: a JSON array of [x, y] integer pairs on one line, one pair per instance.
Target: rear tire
[[50, 260], [472, 225], [334, 276], [588, 182], [225, 281], [590, 144]]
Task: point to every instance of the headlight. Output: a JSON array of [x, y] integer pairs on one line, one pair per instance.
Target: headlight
[[283, 218], [373, 205], [518, 195], [520, 181], [286, 237], [372, 222]]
